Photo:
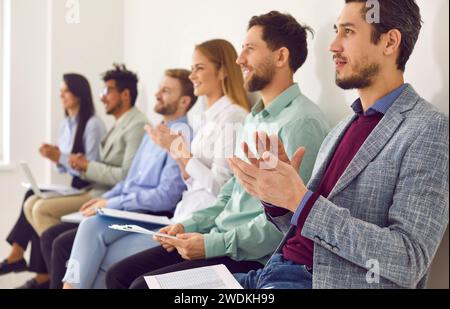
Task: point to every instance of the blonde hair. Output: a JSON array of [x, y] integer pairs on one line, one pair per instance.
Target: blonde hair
[[223, 55]]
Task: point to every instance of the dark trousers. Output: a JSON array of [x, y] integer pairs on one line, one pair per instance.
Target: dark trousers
[[56, 244], [129, 272], [23, 234]]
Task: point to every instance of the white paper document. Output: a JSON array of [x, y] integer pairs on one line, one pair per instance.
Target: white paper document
[[138, 229], [209, 277], [133, 216], [75, 217]]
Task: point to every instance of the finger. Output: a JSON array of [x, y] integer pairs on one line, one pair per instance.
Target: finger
[[277, 148], [164, 230], [171, 241], [249, 188], [253, 193], [170, 249], [246, 185], [148, 128], [262, 142], [186, 236], [298, 158], [244, 171], [87, 212], [265, 141], [88, 204], [270, 161], [163, 128], [250, 156], [244, 179], [272, 164]]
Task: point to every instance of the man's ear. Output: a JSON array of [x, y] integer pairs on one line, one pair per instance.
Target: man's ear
[[185, 102], [126, 96], [392, 40], [283, 55]]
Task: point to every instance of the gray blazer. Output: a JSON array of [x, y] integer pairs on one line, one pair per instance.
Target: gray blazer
[[389, 208], [117, 150]]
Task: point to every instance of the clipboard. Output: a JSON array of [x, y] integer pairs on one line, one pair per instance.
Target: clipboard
[[138, 229]]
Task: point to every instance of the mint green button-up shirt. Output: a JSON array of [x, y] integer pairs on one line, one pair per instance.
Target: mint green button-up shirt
[[236, 225]]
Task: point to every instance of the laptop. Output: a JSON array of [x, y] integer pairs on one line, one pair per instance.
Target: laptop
[[62, 192]]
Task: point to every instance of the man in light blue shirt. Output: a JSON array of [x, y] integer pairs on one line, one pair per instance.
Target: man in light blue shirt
[[153, 185]]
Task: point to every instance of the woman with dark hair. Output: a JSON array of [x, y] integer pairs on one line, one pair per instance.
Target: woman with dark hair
[[80, 132]]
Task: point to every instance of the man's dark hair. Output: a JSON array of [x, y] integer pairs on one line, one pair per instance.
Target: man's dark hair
[[282, 30], [124, 80], [401, 15]]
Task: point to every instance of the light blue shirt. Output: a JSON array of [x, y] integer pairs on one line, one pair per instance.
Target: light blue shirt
[[154, 182], [93, 134]]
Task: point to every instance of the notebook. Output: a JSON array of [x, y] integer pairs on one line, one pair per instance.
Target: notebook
[[134, 216], [209, 277], [77, 217]]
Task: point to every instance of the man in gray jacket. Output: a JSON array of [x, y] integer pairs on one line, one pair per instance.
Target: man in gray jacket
[[376, 207], [117, 150]]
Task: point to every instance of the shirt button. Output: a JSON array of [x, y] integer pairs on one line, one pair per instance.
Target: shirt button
[[336, 249]]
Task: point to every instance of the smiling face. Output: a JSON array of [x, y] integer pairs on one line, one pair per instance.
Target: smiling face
[[168, 96], [205, 76], [257, 61], [357, 59], [112, 98]]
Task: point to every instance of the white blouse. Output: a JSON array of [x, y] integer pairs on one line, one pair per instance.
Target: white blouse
[[215, 132]]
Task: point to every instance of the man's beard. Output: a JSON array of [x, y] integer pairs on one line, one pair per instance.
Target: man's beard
[[360, 80], [259, 81], [166, 110], [113, 110]]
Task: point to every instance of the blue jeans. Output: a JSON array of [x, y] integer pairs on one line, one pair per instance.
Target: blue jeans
[[277, 274], [97, 247]]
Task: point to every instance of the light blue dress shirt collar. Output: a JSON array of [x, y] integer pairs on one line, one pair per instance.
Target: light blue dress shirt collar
[[380, 106]]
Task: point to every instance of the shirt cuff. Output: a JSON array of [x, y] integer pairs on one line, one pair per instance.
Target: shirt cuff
[[114, 203], [214, 245], [194, 168], [298, 212], [108, 195], [64, 159], [190, 226]]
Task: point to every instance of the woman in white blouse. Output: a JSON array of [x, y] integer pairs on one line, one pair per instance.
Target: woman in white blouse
[[216, 77]]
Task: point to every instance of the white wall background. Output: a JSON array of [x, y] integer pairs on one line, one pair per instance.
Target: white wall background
[[43, 47], [156, 38], [151, 36]]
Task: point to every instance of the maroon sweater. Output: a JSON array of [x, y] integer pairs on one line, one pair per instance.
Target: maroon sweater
[[298, 248]]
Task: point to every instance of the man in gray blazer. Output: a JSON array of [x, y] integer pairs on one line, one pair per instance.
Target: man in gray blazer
[[117, 150], [376, 207], [120, 144]]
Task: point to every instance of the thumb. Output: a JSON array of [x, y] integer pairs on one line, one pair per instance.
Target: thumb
[[148, 128], [270, 161], [297, 159]]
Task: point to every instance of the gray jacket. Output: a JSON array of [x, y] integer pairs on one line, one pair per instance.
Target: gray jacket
[[117, 151], [388, 212]]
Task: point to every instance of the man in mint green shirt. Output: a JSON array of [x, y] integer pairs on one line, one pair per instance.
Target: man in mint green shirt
[[235, 230]]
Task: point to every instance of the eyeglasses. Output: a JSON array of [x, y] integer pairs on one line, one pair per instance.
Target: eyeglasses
[[107, 90]]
